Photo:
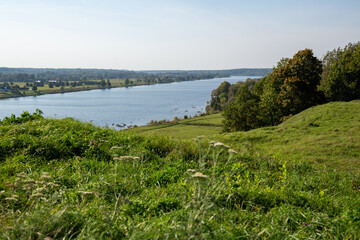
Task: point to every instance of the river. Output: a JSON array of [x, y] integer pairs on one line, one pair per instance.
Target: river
[[131, 106]]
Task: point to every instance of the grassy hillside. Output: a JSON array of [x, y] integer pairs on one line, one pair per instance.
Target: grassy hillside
[[328, 134], [64, 179]]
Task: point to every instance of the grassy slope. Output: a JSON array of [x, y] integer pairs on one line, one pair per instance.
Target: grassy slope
[[328, 134], [185, 129], [60, 179]]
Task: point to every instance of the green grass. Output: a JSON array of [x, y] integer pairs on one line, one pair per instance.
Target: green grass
[[327, 134], [65, 179], [208, 125]]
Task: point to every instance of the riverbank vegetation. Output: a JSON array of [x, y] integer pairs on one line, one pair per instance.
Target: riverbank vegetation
[[68, 179], [21, 82]]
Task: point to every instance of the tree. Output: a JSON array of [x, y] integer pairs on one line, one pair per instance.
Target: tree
[[341, 73], [302, 76], [269, 109], [34, 88], [242, 115], [219, 97], [127, 81], [289, 89]]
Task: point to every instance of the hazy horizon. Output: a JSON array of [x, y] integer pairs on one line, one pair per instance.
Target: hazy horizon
[[170, 35]]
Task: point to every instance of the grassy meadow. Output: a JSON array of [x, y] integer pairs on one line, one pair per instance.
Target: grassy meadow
[[65, 179]]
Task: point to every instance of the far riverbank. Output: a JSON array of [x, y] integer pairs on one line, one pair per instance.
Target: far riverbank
[[44, 90]]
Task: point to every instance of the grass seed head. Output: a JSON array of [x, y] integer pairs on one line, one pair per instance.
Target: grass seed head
[[199, 175], [21, 175], [232, 151], [11, 199], [219, 144], [126, 158], [114, 148], [46, 177]]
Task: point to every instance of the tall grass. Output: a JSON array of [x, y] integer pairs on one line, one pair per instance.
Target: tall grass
[[64, 179]]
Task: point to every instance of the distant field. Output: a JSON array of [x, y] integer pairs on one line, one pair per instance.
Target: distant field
[[46, 90]]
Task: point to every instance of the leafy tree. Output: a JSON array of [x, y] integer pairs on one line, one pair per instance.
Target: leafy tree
[[243, 113], [341, 73], [219, 97], [34, 88], [299, 91], [269, 109], [289, 89], [226, 93]]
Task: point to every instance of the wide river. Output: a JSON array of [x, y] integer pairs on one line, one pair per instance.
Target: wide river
[[131, 106]]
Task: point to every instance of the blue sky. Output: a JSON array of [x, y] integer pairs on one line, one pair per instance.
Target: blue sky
[[172, 34]]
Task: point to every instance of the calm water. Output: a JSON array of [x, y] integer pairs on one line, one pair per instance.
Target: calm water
[[130, 106]]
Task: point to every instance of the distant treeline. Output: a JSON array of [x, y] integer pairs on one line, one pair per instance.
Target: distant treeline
[[228, 72], [47, 74]]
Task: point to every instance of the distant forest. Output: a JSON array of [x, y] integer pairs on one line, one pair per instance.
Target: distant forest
[[65, 74]]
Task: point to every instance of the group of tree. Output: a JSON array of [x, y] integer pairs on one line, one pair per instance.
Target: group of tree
[[341, 73], [46, 74], [226, 93], [87, 75], [294, 85]]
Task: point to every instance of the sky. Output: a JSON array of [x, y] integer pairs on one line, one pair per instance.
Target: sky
[[171, 34]]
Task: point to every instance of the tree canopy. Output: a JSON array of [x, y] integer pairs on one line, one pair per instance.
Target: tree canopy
[[341, 73], [289, 89]]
